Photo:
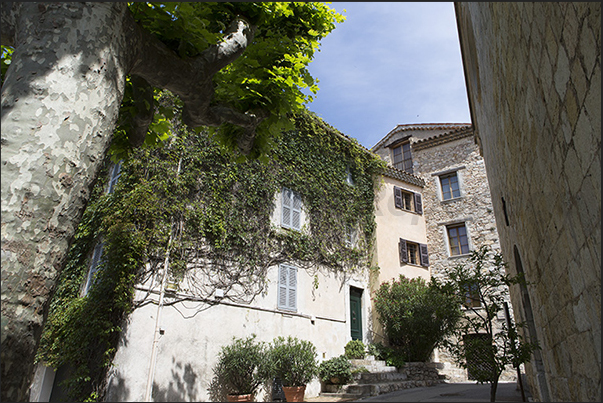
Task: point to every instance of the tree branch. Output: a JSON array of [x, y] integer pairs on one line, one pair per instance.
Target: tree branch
[[191, 80]]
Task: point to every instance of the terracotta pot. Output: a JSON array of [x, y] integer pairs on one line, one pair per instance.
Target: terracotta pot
[[335, 380], [240, 398], [294, 393]]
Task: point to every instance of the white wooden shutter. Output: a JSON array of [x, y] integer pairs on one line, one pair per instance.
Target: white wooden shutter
[[292, 300], [296, 211], [287, 288], [286, 215], [283, 274]]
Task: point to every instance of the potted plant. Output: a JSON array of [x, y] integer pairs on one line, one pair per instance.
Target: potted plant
[[240, 370], [355, 350], [294, 362], [336, 370]]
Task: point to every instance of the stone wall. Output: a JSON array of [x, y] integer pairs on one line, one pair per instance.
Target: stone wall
[[533, 74]]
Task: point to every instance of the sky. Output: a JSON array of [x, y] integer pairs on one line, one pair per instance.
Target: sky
[[390, 63]]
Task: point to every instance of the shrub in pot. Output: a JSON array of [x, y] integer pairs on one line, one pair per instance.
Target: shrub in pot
[[355, 349], [240, 369], [294, 362], [336, 370]]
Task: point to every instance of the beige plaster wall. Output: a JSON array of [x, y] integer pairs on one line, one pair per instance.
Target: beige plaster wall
[[393, 224]]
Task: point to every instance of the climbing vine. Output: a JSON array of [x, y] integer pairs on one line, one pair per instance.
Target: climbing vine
[[191, 210]]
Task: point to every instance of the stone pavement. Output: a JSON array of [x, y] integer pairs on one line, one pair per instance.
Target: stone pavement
[[444, 392]]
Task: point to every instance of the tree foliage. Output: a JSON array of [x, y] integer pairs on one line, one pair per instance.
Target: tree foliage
[[267, 78], [483, 348], [416, 316]]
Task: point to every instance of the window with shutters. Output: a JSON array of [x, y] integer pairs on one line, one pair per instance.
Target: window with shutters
[[291, 209], [351, 236], [349, 178], [402, 157], [413, 253], [450, 186], [94, 266], [407, 200], [287, 287], [457, 239]]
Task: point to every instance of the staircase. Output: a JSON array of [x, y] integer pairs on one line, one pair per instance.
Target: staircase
[[384, 379]]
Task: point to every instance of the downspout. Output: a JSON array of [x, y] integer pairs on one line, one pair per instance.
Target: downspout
[[157, 333]]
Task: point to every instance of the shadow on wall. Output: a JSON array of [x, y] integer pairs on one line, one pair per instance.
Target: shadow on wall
[[183, 387]]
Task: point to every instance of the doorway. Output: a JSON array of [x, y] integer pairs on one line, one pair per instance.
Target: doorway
[[356, 313]]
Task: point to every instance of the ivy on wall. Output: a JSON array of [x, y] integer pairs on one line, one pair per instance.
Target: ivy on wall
[[191, 209]]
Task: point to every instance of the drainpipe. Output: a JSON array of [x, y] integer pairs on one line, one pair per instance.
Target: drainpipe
[[151, 375], [158, 331]]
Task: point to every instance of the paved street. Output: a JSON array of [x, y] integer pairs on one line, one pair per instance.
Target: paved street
[[453, 392]]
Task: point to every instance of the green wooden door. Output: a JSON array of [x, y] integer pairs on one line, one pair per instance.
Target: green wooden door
[[356, 313]]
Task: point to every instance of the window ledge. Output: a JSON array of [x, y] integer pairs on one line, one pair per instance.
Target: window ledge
[[460, 256], [454, 199], [416, 265], [409, 211]]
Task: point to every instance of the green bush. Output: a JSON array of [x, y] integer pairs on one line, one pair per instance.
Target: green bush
[[240, 368], [391, 356], [292, 360], [336, 367], [416, 316], [355, 349]]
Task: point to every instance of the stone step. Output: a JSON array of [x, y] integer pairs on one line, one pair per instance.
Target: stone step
[[341, 395], [374, 389], [381, 377]]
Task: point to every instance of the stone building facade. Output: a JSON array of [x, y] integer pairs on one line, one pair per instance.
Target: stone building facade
[[456, 196], [536, 109]]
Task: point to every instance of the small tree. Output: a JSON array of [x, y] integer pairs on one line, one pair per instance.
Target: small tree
[[482, 286], [416, 316]]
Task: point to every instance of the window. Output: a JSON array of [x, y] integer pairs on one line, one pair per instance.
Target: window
[[115, 174], [94, 266], [413, 253], [349, 178], [351, 236], [450, 186], [287, 287], [407, 200], [402, 157], [291, 212], [457, 239], [472, 299]]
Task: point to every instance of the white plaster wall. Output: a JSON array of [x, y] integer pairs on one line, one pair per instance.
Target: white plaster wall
[[194, 331]]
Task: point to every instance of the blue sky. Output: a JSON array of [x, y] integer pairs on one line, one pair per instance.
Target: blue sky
[[390, 63]]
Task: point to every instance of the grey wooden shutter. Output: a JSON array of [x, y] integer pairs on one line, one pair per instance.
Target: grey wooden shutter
[[403, 251], [423, 254], [418, 203], [397, 197]]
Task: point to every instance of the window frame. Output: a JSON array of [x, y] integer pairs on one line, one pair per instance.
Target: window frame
[[459, 244], [287, 288], [94, 267], [451, 191], [405, 163], [472, 296]]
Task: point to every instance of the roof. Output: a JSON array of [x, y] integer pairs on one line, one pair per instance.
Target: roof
[[403, 176], [438, 139], [420, 126]]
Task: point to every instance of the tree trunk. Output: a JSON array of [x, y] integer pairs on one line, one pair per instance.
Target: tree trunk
[[60, 102], [493, 387]]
